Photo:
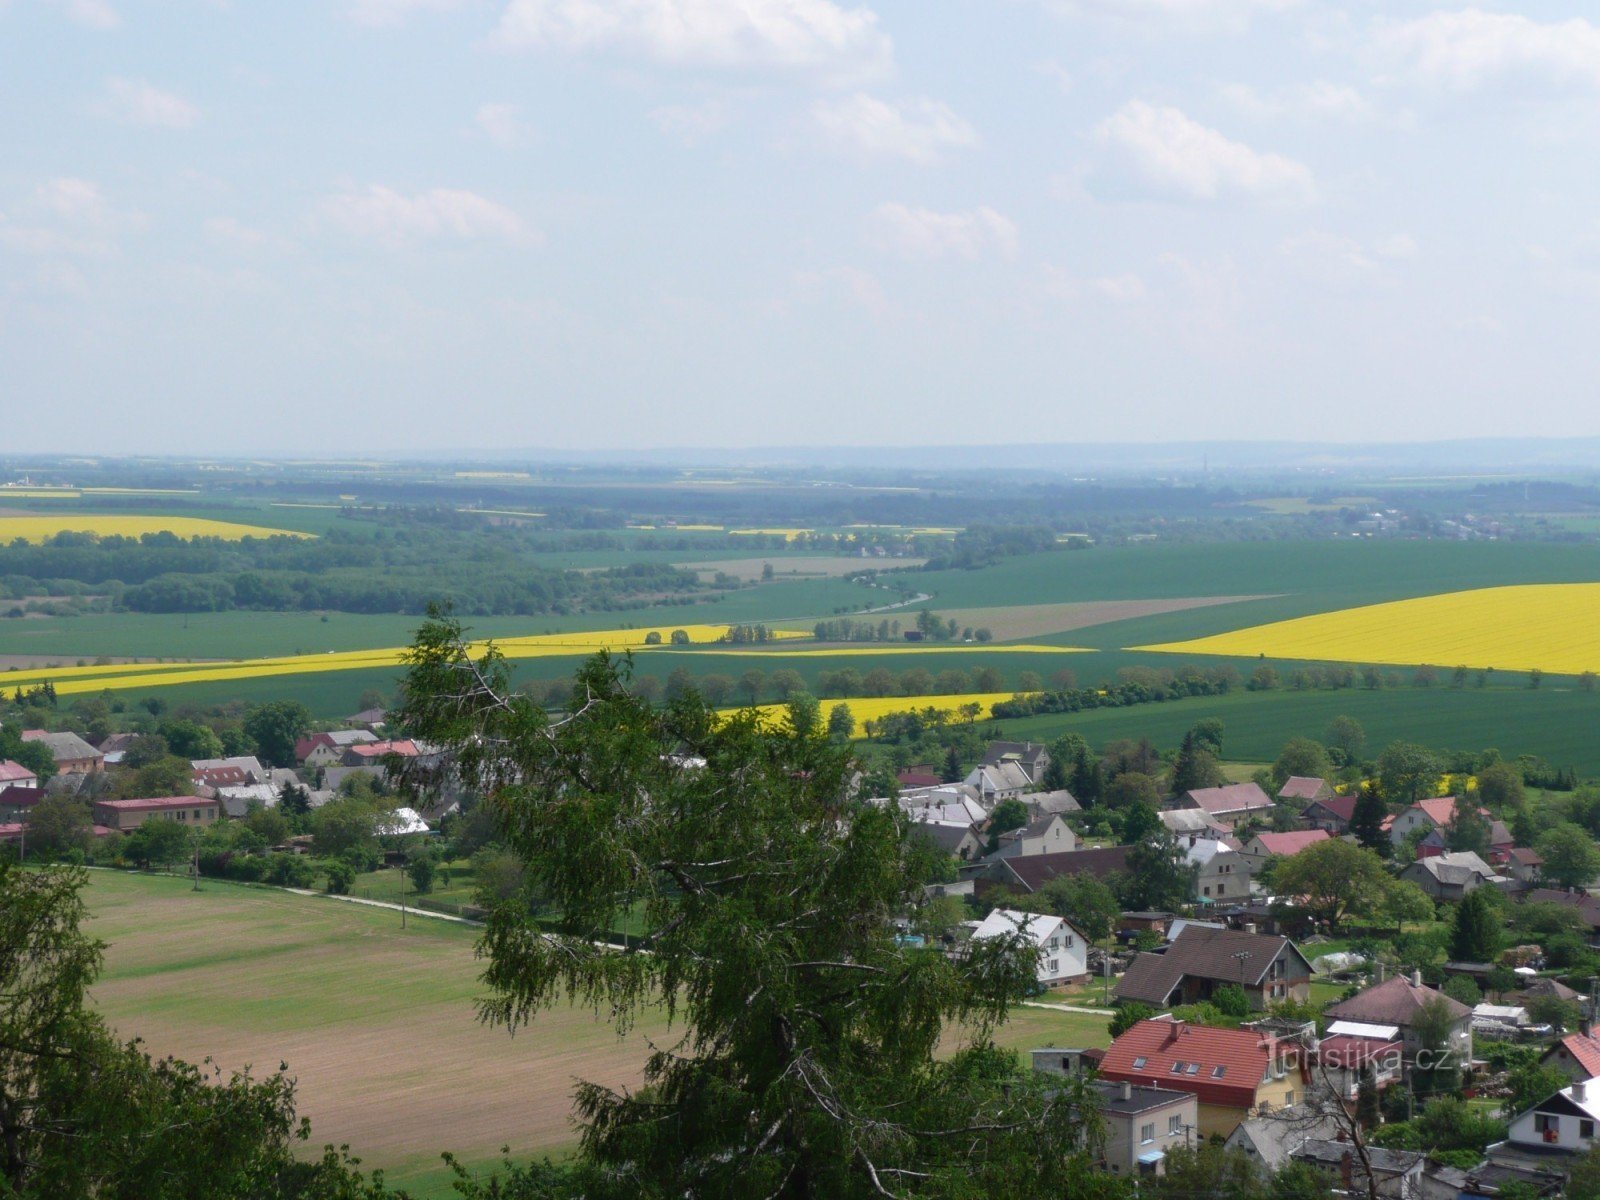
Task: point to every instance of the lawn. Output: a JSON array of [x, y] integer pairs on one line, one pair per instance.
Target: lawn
[[377, 1023]]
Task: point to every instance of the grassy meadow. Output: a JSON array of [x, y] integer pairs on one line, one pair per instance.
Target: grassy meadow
[[376, 1023]]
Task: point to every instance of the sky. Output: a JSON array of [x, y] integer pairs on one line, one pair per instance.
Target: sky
[[390, 226]]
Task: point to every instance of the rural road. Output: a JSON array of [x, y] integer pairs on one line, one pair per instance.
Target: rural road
[[917, 599], [411, 909], [1072, 1008]]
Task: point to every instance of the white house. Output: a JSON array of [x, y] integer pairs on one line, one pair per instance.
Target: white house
[[1063, 951], [1563, 1123], [1001, 781], [1044, 835]]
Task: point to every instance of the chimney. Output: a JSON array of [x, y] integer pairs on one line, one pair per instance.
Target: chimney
[[1416, 979], [1127, 1090], [1577, 1091], [1379, 972], [1586, 1026]]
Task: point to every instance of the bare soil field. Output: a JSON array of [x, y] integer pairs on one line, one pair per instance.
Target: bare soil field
[[30, 662], [1036, 620]]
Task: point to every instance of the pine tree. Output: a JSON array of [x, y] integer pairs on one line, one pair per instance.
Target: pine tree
[[1366, 821], [1475, 932]]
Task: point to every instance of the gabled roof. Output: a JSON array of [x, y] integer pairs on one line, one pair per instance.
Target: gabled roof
[[1035, 828], [375, 750], [947, 837], [1393, 1002], [1343, 807], [1441, 810], [1302, 787], [1032, 871], [1288, 844], [14, 772], [1037, 927], [64, 747], [1190, 820], [1587, 906], [1059, 801], [154, 803], [1550, 987], [1454, 867], [1585, 1051], [1220, 955], [1230, 798], [15, 795], [918, 778], [1229, 1063], [1343, 1050], [1521, 856], [1000, 777]]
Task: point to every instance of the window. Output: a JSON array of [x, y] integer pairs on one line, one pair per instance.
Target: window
[[1138, 1063], [1207, 891], [1147, 1133], [1288, 1099], [1066, 941], [1177, 1068], [1586, 1129], [1174, 1124], [1194, 1068], [1545, 1123], [1055, 965], [1218, 1072]]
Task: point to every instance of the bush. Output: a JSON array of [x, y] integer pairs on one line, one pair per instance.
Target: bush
[[290, 870], [248, 868], [340, 876]]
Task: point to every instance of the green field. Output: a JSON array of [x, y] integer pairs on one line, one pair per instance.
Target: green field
[[376, 1023]]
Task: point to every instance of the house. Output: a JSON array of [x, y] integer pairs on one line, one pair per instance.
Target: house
[[114, 745], [237, 801], [1032, 757], [1002, 781], [1554, 1131], [952, 838], [124, 816], [1577, 1054], [1271, 1138], [1141, 1125], [370, 719], [326, 749], [1202, 959], [1392, 1174], [1549, 989], [1451, 875], [243, 768], [1184, 822], [947, 805], [374, 753], [1345, 1059], [1437, 815], [1305, 789], [73, 755], [1221, 871], [1063, 951], [1230, 805], [1333, 814], [1284, 845], [17, 802], [1397, 1003], [918, 777], [1043, 835], [1437, 841], [14, 774], [1030, 872], [1155, 921], [1059, 802], [1523, 865], [1232, 1073]]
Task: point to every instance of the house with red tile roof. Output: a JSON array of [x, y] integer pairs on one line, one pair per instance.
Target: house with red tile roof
[[14, 774], [17, 802], [375, 752], [1435, 816], [1231, 805], [1333, 814], [1577, 1054], [1285, 845], [1303, 789], [1231, 1072]]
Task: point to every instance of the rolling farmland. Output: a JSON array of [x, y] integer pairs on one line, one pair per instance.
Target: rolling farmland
[[39, 529]]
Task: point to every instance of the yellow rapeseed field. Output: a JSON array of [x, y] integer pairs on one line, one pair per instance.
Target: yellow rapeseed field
[[37, 529], [891, 649], [77, 680], [1550, 626], [787, 534], [873, 708]]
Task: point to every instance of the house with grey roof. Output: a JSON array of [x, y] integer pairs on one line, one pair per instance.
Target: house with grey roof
[[73, 755], [1001, 781], [1451, 875], [1202, 959]]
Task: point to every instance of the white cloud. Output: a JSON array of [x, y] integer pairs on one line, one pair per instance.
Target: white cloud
[[1122, 290], [859, 287], [137, 102], [918, 130], [1162, 151], [67, 216], [1316, 99], [1471, 49], [387, 216], [91, 14], [233, 232], [1346, 262], [692, 124], [1229, 14], [499, 123], [921, 233], [806, 35], [379, 13]]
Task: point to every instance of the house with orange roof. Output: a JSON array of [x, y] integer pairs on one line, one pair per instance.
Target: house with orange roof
[[1232, 1073], [1285, 845]]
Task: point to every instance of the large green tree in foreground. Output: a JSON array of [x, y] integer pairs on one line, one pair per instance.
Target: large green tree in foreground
[[805, 1062]]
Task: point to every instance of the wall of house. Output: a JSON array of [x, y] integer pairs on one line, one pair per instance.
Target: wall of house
[[1071, 958], [1124, 1145], [1569, 1131]]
